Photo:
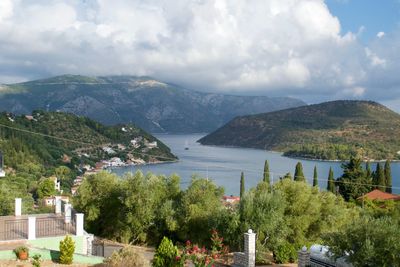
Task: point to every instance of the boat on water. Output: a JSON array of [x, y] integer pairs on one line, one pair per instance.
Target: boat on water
[[186, 145]]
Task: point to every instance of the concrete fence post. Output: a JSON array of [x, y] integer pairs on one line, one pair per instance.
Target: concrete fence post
[[18, 207], [79, 224], [58, 204], [304, 257], [250, 248], [248, 257], [67, 213], [31, 228]]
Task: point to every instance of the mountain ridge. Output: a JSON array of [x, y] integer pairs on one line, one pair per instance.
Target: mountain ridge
[[151, 104], [334, 130]]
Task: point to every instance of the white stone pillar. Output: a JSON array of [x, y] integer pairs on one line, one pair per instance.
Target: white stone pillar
[[303, 257], [18, 207], [58, 204], [250, 248], [67, 213], [79, 224], [31, 228]]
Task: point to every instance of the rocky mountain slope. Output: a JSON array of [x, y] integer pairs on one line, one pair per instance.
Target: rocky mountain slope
[[331, 130], [148, 103]]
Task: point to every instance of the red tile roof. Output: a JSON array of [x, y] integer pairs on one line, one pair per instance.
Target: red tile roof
[[379, 195]]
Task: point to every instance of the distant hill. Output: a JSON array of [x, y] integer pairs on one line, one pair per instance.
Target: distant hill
[[152, 105], [78, 140], [331, 130]]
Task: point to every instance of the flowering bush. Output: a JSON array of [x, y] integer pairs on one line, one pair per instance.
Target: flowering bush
[[201, 257]]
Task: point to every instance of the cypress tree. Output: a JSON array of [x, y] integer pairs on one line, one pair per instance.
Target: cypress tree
[[379, 178], [315, 177], [298, 173], [266, 172], [388, 177], [331, 181], [368, 173], [241, 185]]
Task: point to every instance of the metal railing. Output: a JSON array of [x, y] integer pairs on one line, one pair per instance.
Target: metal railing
[[14, 230], [53, 226]]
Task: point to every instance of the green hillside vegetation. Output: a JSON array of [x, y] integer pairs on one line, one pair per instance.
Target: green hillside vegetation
[[144, 209], [333, 130], [30, 157]]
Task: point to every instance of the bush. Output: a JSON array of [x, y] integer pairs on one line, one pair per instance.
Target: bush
[[285, 253], [127, 256], [67, 249], [36, 260], [166, 254]]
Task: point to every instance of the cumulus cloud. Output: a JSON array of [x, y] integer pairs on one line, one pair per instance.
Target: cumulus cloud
[[276, 47], [380, 34]]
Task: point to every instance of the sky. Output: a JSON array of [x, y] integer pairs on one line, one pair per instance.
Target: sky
[[314, 50]]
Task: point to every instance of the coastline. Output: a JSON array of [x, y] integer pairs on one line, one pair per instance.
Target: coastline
[[299, 157]]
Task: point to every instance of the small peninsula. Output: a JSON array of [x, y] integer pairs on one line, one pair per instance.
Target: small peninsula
[[333, 130]]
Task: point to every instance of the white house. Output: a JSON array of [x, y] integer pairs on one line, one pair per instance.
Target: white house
[[57, 183], [152, 144]]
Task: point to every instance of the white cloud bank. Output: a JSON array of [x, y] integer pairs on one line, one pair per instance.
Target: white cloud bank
[[281, 47]]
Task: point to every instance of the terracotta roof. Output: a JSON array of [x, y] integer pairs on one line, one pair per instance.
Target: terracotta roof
[[231, 198], [379, 195]]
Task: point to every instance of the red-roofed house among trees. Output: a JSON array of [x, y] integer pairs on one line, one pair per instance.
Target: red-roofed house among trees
[[378, 195]]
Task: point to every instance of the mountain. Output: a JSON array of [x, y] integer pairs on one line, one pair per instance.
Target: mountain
[[152, 105], [51, 139], [332, 130]]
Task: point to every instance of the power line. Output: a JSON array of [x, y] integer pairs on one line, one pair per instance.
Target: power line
[[175, 160], [79, 142]]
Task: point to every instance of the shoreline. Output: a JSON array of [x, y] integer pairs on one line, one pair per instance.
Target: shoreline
[[300, 157], [143, 164]]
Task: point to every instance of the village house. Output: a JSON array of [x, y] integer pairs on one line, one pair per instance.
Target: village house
[[378, 195], [51, 201], [57, 183], [108, 150]]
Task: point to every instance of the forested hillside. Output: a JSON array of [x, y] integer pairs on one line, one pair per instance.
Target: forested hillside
[[52, 143], [333, 130]]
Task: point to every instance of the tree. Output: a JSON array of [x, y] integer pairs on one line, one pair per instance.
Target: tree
[[315, 177], [242, 189], [388, 177], [353, 182], [368, 242], [368, 171], [379, 178], [166, 254], [200, 204], [62, 172], [67, 249], [331, 181], [263, 211], [266, 172], [46, 188], [298, 173]]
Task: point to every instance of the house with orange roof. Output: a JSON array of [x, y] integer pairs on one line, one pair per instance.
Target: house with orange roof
[[378, 195]]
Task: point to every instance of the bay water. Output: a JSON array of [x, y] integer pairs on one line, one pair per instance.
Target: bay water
[[224, 165]]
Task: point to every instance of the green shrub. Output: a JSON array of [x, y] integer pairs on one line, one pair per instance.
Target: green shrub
[[67, 249], [166, 254], [285, 253], [127, 256], [36, 260]]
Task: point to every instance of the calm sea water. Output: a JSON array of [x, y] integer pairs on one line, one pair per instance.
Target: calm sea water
[[224, 165]]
